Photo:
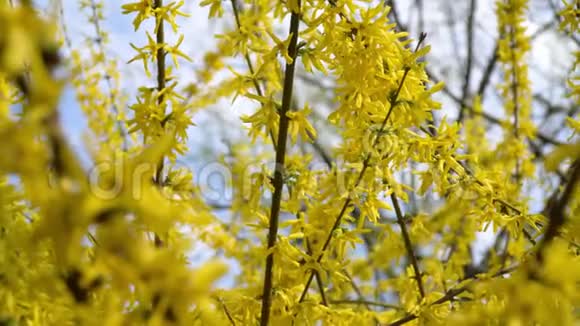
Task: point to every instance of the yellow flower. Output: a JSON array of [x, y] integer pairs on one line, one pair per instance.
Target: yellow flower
[[144, 9], [299, 124]]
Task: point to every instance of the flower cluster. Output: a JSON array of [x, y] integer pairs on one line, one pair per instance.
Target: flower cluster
[[151, 116]]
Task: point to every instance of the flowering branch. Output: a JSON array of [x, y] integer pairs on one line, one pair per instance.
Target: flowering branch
[[366, 163], [279, 169], [160, 39]]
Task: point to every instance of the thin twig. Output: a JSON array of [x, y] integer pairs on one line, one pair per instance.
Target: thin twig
[[355, 287], [468, 63], [93, 239], [408, 245], [227, 312], [485, 79], [367, 303], [321, 288], [487, 72], [318, 277], [279, 169], [421, 16], [359, 293]]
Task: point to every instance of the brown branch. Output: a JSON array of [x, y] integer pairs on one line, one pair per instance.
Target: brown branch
[[408, 245], [555, 209], [367, 303], [315, 144], [468, 63], [321, 288], [226, 311], [322, 152], [279, 168], [318, 277], [488, 71], [160, 40], [259, 91]]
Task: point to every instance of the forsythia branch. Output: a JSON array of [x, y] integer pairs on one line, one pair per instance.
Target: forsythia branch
[[366, 163], [279, 169]]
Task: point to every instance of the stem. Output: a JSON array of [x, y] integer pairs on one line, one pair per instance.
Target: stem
[[515, 94], [160, 40], [488, 71], [468, 64], [367, 303], [227, 312], [321, 289], [408, 245], [271, 134], [317, 274], [279, 169], [421, 18]]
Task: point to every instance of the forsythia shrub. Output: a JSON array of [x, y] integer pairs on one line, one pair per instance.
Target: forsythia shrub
[[333, 244]]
